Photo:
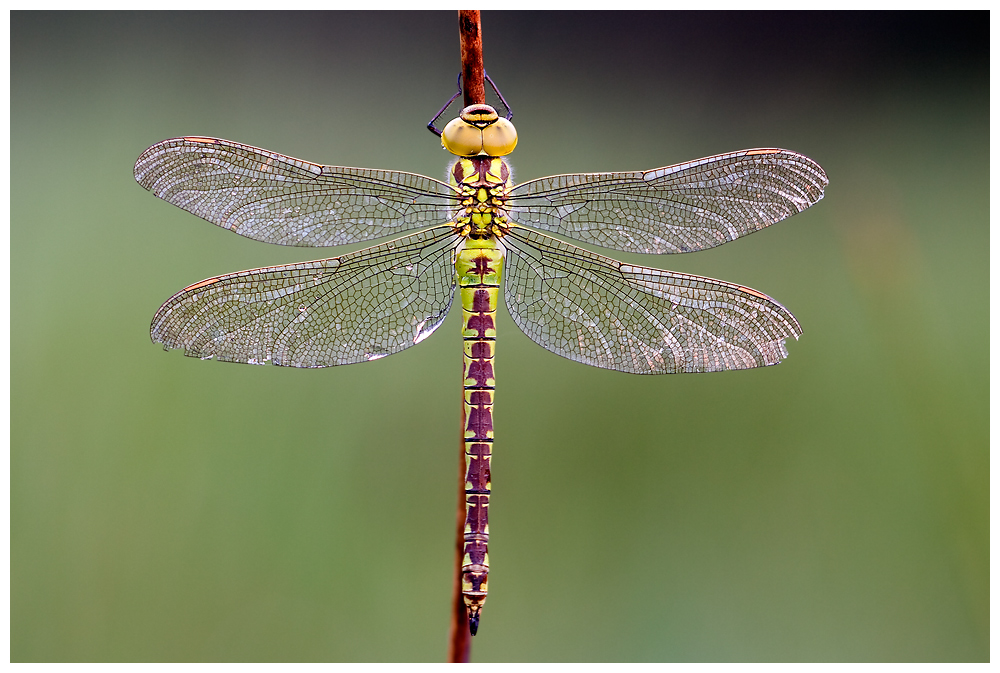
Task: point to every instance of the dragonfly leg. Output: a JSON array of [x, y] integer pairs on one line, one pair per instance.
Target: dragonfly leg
[[431, 125]]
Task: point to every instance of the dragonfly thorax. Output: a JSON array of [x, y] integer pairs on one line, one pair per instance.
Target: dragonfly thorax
[[483, 183], [479, 131]]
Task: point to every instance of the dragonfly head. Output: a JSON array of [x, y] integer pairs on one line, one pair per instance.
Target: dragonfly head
[[479, 130]]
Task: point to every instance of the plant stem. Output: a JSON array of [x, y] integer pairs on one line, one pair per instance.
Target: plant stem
[[459, 640], [473, 92], [470, 34]]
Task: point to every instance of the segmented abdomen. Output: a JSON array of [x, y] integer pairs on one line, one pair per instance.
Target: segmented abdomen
[[479, 268]]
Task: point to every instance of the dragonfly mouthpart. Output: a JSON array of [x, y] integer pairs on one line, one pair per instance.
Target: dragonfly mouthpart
[[479, 115]]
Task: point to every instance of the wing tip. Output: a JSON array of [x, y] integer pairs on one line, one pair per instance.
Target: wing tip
[[145, 165], [818, 178]]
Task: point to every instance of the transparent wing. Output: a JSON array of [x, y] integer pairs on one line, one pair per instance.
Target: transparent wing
[[361, 306], [277, 199], [608, 314], [682, 208]]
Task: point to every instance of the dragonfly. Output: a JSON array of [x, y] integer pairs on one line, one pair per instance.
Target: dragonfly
[[480, 234]]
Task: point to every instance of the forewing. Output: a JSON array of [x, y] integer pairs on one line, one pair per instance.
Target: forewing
[[682, 208], [361, 306], [608, 314], [277, 199]]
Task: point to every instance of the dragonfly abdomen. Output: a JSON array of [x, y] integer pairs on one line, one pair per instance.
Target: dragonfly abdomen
[[479, 265]]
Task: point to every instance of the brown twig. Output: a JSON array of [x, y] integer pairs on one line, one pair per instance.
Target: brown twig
[[473, 92], [459, 640], [470, 33]]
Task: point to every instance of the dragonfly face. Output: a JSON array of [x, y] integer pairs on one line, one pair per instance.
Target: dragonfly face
[[479, 130], [477, 233]]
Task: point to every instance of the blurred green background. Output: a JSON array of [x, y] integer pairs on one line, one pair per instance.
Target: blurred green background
[[833, 508]]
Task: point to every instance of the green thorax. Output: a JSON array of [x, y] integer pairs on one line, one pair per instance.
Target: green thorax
[[484, 182]]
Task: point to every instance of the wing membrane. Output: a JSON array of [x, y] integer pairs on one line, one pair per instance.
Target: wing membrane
[[277, 199], [681, 208], [608, 314], [361, 306]]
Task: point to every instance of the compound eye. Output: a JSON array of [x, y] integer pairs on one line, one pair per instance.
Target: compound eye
[[499, 138], [462, 139]]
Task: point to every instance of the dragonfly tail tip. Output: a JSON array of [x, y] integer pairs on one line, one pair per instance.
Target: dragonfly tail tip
[[473, 624]]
